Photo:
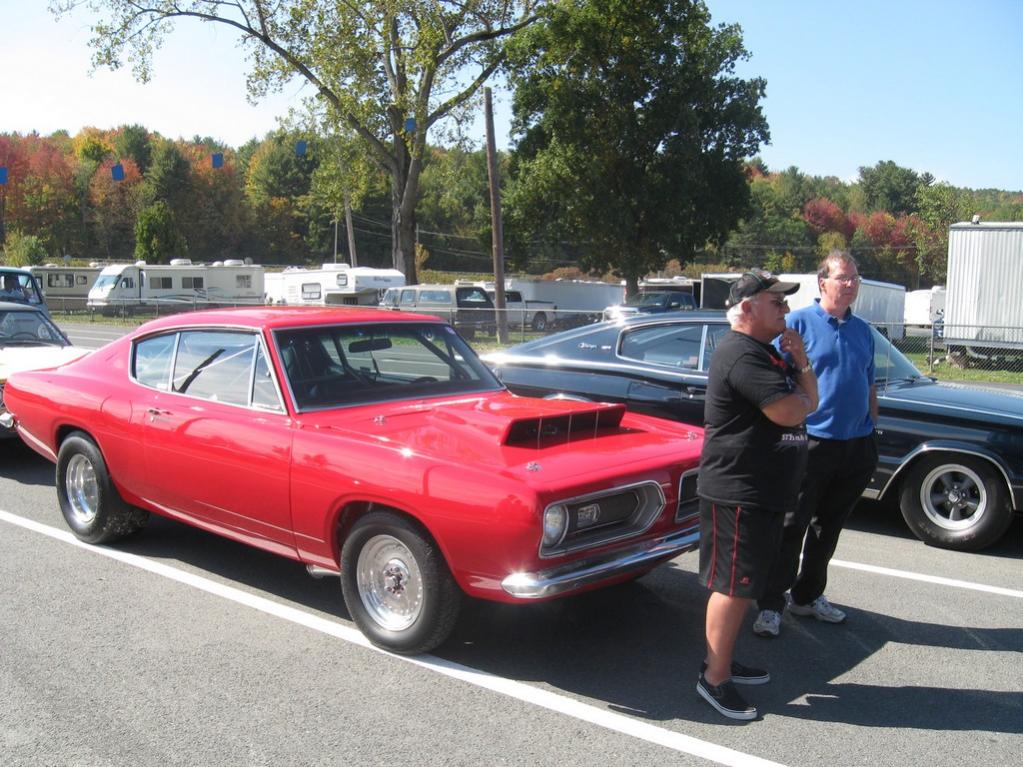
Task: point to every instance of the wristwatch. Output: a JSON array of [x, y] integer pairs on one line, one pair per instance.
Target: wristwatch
[[805, 369]]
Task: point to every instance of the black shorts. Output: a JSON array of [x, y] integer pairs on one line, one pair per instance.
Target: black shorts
[[737, 547]]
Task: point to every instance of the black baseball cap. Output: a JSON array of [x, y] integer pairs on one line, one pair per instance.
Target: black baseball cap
[[756, 281]]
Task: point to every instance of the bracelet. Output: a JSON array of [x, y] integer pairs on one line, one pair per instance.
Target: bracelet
[[805, 369]]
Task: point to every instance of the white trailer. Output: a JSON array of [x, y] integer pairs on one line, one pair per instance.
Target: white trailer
[[178, 285], [925, 307], [882, 304], [572, 301], [66, 287], [984, 299], [333, 284]]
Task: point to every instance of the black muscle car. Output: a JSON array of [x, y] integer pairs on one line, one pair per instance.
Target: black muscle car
[[951, 455]]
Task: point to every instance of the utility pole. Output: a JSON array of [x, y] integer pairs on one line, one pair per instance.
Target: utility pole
[[495, 221], [351, 233]]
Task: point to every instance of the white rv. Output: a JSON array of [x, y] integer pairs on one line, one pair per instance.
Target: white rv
[[331, 285], [178, 285], [66, 287]]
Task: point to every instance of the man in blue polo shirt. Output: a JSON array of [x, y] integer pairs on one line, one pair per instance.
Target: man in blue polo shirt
[[841, 451]]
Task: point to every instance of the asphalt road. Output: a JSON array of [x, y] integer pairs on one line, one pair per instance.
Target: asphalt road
[[181, 648]]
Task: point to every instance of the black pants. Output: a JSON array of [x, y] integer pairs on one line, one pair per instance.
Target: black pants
[[836, 473]]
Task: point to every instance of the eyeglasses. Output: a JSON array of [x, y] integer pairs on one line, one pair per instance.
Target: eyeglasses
[[855, 280]]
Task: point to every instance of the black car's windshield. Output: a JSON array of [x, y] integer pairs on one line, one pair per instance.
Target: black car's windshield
[[889, 363], [29, 328], [341, 365]]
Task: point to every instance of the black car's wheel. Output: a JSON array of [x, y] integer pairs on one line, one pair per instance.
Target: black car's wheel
[[539, 322], [396, 584], [955, 502], [91, 505]]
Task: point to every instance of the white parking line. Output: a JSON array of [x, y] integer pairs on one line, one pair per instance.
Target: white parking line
[[609, 720], [911, 576]]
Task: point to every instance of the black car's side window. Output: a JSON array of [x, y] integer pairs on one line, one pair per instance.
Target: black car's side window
[[674, 346], [714, 335]]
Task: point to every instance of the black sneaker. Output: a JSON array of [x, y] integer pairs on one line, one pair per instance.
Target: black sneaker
[[745, 674], [726, 699]]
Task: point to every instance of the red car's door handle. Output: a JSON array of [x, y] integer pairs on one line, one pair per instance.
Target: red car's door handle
[[155, 411]]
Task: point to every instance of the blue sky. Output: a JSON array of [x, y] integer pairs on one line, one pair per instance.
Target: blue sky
[[933, 85]]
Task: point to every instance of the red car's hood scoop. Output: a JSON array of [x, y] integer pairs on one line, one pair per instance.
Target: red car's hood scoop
[[527, 422], [501, 419], [556, 429]]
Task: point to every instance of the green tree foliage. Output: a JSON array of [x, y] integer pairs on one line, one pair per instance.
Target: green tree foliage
[[23, 249], [890, 187], [133, 141], [168, 179], [773, 228], [455, 208], [277, 187], [633, 130], [157, 236], [384, 71]]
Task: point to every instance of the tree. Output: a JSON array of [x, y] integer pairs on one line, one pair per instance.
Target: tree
[[890, 188], [23, 249], [633, 130], [133, 141], [157, 237], [277, 187], [113, 206], [385, 71]]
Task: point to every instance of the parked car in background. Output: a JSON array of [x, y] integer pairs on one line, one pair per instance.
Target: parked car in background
[[652, 302], [19, 286], [467, 307], [369, 445], [29, 341], [950, 455]]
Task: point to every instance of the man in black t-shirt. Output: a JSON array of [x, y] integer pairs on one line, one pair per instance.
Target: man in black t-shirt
[[754, 453]]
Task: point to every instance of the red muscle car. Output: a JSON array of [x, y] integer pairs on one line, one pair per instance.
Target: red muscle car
[[366, 444]]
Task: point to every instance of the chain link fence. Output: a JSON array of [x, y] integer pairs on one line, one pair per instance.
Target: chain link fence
[[963, 352]]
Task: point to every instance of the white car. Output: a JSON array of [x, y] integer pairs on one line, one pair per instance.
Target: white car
[[29, 341]]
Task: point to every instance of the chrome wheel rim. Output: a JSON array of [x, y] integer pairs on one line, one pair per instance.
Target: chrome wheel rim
[[953, 497], [82, 489], [390, 583]]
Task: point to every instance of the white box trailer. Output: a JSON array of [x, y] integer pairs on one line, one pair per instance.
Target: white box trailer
[[66, 287], [333, 284], [924, 307], [984, 282], [573, 301], [178, 285], [882, 304]]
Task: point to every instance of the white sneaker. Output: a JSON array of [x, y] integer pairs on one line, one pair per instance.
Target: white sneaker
[[767, 624], [820, 608]]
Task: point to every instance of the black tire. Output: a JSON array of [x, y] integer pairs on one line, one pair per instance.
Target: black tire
[[396, 584], [955, 502], [91, 505], [539, 322]]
